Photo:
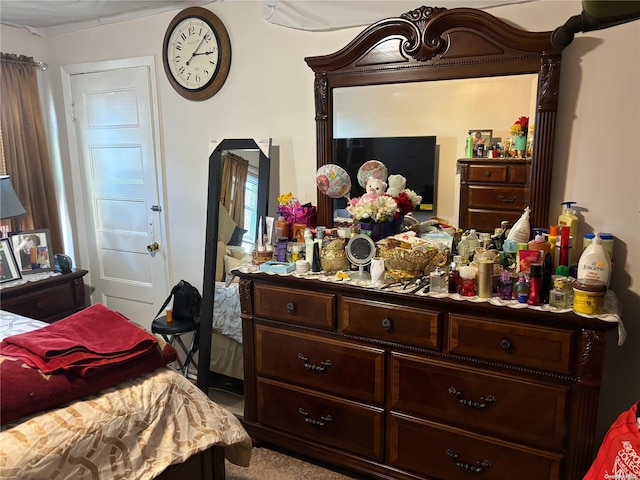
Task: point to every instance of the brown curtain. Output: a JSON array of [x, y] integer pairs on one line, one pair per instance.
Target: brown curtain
[[234, 177], [24, 146]]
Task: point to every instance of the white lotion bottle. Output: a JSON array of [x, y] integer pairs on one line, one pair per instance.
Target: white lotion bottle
[[595, 263], [521, 230]]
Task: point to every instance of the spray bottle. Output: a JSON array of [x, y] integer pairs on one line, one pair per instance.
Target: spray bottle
[[569, 219]]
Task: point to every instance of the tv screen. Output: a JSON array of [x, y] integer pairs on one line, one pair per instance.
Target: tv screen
[[412, 157]]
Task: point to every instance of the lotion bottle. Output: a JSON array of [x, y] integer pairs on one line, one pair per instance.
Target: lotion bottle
[[569, 219], [595, 263], [539, 243], [521, 230]]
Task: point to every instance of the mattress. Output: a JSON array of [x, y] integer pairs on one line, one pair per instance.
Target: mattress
[[135, 429], [226, 311]]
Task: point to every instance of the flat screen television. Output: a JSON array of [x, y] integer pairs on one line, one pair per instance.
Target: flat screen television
[[412, 157]]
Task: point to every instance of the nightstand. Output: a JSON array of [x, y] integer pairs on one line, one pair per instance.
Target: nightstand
[[49, 299]]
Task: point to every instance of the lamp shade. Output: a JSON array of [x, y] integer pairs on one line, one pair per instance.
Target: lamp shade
[[10, 206]]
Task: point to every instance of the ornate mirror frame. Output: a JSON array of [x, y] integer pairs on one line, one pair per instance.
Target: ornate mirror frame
[[216, 162], [432, 43]]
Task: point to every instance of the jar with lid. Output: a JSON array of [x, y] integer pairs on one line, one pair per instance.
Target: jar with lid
[[588, 296]]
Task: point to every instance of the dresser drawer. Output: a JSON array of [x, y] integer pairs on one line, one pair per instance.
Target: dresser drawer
[[514, 408], [488, 173], [293, 305], [349, 426], [338, 367], [512, 343], [486, 220], [501, 198], [49, 304], [389, 322], [446, 453]]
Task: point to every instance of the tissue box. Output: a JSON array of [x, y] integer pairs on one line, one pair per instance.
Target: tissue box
[[277, 267]]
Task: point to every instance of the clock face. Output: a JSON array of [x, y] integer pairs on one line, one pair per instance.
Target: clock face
[[197, 53]]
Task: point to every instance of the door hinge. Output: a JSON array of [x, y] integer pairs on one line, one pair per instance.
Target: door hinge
[[73, 111]]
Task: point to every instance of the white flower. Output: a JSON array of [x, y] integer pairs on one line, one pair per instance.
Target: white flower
[[382, 209]]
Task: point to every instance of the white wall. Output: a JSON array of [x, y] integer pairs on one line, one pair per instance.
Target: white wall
[[269, 92]]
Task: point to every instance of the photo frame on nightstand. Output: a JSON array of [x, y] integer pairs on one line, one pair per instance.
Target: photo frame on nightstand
[[32, 250], [9, 269]]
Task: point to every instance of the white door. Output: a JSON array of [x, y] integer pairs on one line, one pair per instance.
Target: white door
[[113, 115]]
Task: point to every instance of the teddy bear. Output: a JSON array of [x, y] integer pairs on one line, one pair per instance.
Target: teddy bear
[[397, 183], [375, 187]]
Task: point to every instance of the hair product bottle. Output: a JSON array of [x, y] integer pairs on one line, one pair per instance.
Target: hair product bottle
[[568, 218]]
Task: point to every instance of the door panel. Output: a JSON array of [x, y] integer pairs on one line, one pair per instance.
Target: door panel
[[114, 124]]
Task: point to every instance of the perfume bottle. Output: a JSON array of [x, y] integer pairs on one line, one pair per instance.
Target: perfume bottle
[[437, 281], [505, 285], [468, 285]]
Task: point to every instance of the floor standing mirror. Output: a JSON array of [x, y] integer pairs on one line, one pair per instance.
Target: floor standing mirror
[[237, 200]]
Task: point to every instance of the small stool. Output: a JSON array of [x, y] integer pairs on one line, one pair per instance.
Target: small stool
[[172, 331]]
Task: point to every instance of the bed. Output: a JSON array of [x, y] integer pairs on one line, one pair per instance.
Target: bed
[[226, 336], [156, 424]]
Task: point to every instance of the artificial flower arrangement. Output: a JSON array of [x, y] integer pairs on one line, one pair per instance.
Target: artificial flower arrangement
[[521, 127], [378, 206]]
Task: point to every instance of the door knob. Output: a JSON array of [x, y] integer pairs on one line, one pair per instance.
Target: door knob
[[153, 247]]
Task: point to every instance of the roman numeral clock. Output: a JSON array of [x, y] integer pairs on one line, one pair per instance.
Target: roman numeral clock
[[196, 53]]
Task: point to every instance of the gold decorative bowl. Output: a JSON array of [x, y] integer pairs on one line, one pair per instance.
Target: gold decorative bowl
[[406, 263], [333, 257]]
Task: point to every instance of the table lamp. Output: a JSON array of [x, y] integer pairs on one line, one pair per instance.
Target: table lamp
[[10, 206]]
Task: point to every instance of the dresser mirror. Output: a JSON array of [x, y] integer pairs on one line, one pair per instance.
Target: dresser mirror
[[412, 59], [256, 152]]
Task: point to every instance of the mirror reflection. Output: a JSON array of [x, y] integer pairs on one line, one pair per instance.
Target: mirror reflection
[[446, 109], [238, 192]]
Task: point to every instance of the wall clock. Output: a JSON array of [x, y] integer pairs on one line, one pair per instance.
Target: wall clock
[[196, 53]]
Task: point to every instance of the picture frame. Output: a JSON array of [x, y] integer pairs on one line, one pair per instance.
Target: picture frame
[[482, 138], [32, 250], [9, 269]]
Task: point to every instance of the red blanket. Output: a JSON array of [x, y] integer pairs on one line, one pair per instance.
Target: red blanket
[[26, 389], [84, 342]]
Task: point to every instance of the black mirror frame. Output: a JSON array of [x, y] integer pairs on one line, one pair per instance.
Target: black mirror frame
[[211, 243]]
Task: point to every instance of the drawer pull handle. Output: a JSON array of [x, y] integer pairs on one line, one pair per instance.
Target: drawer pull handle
[[315, 368], [478, 467], [505, 344], [483, 402], [487, 173], [40, 305], [291, 308], [387, 324], [321, 423], [504, 199]]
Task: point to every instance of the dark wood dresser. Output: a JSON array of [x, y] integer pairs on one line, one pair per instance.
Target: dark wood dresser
[[395, 385], [49, 299], [494, 189]]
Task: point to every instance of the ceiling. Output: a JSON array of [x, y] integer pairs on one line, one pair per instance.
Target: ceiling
[[47, 18]]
